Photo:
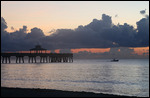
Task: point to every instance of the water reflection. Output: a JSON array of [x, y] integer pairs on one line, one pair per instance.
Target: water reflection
[[125, 77]]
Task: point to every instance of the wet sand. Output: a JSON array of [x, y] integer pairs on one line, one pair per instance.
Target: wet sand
[[24, 92]]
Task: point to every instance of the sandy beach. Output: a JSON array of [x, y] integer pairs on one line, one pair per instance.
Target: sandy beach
[[24, 92]]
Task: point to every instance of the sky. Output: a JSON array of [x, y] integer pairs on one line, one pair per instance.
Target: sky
[[103, 27], [49, 15]]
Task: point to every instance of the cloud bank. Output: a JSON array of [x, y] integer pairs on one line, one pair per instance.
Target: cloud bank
[[97, 34]]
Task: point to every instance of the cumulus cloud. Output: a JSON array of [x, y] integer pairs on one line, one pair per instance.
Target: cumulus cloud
[[35, 33], [19, 39], [100, 33], [19, 34], [100, 25]]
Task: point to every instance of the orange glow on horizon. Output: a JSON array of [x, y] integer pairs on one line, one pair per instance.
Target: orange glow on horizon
[[137, 50], [92, 50], [141, 50], [57, 51]]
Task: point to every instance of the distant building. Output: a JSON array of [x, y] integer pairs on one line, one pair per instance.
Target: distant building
[[38, 49]]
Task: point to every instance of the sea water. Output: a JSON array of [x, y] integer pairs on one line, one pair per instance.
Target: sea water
[[127, 77]]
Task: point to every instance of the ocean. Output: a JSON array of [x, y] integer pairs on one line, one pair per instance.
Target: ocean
[[128, 77]]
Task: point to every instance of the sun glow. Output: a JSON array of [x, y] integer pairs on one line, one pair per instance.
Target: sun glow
[[141, 50]]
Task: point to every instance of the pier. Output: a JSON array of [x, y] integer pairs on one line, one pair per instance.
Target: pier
[[44, 57], [37, 52]]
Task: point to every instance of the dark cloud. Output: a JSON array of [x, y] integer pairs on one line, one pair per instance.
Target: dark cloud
[[19, 34], [121, 35], [100, 25], [19, 39], [88, 36], [5, 37], [103, 34], [35, 34], [143, 11], [3, 24], [97, 34], [143, 31]]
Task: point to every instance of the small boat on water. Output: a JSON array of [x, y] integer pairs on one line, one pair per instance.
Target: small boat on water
[[114, 60]]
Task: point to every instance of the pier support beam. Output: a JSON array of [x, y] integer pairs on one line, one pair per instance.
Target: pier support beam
[[70, 59], [65, 59], [43, 59], [5, 58], [32, 59], [19, 58], [50, 59]]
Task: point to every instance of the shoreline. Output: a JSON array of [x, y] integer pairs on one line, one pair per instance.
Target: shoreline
[[31, 92]]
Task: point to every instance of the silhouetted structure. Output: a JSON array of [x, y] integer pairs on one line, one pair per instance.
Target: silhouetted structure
[[38, 51]]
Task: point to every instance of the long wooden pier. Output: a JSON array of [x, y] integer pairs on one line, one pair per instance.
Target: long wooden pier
[[44, 57]]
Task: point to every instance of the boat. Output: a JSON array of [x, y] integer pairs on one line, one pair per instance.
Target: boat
[[114, 60]]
